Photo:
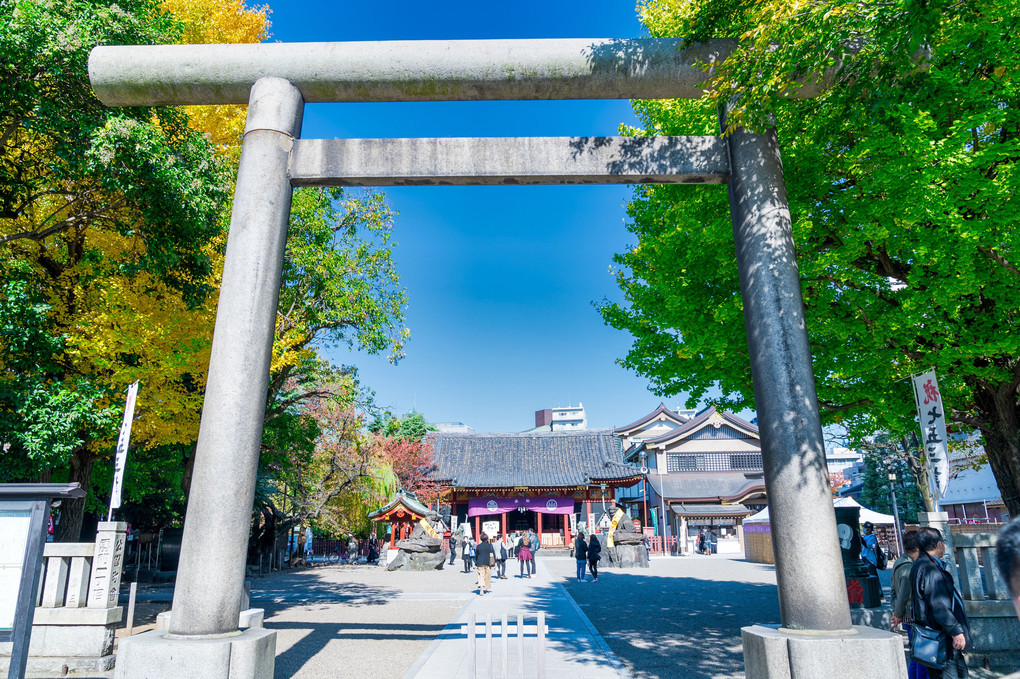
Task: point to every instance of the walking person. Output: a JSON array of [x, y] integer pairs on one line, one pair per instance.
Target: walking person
[[937, 605], [901, 597], [484, 560], [580, 555], [594, 554], [453, 548], [524, 557], [467, 551], [504, 549], [535, 545]]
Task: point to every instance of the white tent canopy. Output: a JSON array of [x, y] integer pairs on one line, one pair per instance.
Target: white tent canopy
[[866, 514]]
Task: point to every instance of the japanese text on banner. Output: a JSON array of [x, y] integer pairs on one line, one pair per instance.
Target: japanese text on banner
[[122, 448], [931, 413]]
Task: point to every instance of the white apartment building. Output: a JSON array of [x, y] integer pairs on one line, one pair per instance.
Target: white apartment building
[[562, 418]]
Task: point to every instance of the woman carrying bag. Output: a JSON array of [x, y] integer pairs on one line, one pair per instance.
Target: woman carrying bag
[[524, 557]]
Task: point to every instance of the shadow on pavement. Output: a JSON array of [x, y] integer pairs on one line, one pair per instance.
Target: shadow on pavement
[[290, 662], [673, 627]]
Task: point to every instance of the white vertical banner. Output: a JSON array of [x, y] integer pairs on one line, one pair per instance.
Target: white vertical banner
[[931, 414], [122, 449]]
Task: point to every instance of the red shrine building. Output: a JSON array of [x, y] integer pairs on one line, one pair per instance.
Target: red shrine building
[[402, 513], [536, 480]]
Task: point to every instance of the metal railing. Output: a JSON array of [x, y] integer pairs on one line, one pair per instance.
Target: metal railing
[[519, 633]]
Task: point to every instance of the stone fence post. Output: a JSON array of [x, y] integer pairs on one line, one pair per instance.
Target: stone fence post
[[107, 564]]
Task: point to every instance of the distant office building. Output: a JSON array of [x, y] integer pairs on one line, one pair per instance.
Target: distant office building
[[453, 428], [564, 418], [843, 460]]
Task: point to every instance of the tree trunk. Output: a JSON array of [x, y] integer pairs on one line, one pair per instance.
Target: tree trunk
[[189, 468], [1002, 442], [72, 511]]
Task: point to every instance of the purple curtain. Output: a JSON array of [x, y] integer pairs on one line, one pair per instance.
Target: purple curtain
[[544, 504]]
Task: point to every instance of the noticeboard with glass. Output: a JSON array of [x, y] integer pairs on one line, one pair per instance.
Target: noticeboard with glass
[[15, 522]]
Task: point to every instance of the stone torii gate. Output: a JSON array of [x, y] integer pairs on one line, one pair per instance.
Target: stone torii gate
[[276, 80]]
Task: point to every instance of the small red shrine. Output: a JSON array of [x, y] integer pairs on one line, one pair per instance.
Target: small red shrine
[[402, 512]]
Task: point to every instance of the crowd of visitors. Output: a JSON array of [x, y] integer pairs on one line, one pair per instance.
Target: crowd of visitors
[[489, 556]]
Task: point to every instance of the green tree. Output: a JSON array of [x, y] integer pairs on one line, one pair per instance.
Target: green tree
[[95, 202], [44, 415], [883, 457], [340, 285], [902, 179]]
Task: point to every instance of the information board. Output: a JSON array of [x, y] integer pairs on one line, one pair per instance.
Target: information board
[[14, 527]]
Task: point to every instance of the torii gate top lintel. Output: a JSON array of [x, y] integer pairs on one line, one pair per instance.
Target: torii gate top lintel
[[426, 70]]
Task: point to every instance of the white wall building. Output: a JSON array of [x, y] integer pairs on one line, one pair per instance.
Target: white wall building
[[562, 418]]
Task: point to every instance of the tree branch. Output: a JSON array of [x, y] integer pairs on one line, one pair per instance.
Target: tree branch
[[999, 259]]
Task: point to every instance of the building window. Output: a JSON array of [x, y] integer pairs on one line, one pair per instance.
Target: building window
[[713, 462], [684, 463], [748, 461]]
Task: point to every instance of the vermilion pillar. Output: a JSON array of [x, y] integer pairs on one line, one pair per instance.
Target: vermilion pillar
[[538, 531]]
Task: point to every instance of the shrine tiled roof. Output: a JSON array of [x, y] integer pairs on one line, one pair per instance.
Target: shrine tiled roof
[[532, 459], [699, 420], [691, 510], [707, 486], [652, 417], [410, 502]]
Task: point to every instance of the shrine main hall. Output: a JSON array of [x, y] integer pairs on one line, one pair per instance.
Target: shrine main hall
[[552, 481]]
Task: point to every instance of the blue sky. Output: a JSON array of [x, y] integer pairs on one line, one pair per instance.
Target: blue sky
[[501, 279]]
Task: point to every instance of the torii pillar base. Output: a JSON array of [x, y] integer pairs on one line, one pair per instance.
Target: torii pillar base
[[771, 652], [246, 654]]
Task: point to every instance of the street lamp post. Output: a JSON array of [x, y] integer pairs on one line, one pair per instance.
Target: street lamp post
[[644, 486], [896, 512]]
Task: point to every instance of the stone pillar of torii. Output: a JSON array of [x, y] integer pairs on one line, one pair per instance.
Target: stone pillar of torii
[[276, 80]]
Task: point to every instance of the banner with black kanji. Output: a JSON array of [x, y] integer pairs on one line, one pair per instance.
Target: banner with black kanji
[[931, 412]]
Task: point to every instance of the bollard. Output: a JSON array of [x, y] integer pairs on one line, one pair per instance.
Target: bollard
[[541, 645], [520, 643], [488, 637], [505, 674], [131, 608], [472, 648]]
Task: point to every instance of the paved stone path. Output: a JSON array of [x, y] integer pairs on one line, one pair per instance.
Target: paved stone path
[[678, 619], [573, 647], [681, 617]]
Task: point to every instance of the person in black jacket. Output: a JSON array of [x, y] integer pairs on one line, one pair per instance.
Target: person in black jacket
[[1007, 558], [485, 558], [453, 548], [581, 555], [937, 605], [594, 554]]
